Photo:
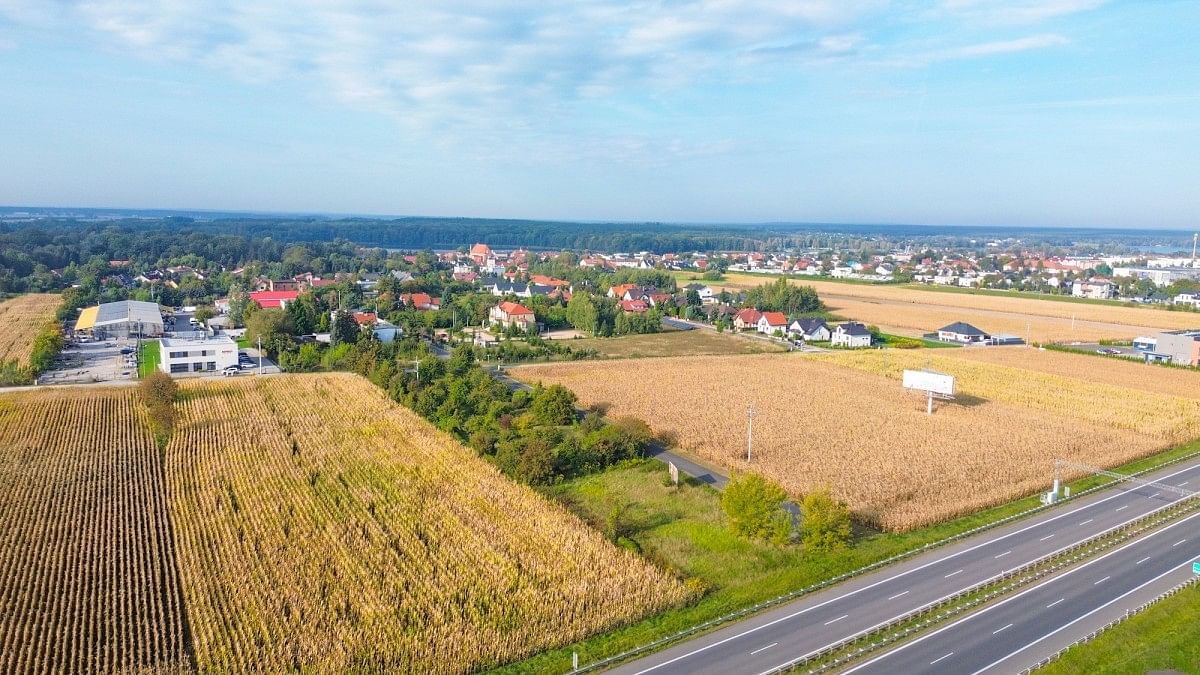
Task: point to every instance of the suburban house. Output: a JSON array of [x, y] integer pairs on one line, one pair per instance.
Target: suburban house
[[810, 330], [273, 299], [512, 314], [634, 306], [961, 332], [1101, 289], [747, 318], [851, 334], [620, 290], [420, 301], [706, 294], [770, 322], [276, 284]]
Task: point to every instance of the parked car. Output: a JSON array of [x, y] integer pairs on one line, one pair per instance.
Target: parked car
[[246, 365], [230, 370], [126, 350]]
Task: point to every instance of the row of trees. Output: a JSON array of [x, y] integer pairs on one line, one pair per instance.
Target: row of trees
[[754, 507]]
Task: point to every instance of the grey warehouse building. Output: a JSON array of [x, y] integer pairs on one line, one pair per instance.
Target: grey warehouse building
[[127, 318]]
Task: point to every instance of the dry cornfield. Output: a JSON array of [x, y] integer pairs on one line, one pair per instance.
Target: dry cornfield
[[292, 523], [89, 581], [320, 525], [913, 311], [836, 420], [20, 320]]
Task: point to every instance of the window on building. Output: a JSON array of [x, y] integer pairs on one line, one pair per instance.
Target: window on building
[[179, 367], [197, 366], [211, 365], [178, 355]]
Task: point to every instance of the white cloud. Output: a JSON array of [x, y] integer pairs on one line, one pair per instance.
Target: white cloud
[[1022, 44], [1018, 11]]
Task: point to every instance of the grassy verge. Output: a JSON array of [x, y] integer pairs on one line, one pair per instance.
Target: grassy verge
[[243, 342], [682, 529], [1165, 636], [890, 339], [148, 358]]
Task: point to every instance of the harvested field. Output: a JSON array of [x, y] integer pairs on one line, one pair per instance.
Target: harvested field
[[842, 419], [90, 583], [1118, 372], [697, 342], [913, 310], [321, 525], [20, 320]]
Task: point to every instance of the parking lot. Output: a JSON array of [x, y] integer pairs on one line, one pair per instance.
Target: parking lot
[[93, 362]]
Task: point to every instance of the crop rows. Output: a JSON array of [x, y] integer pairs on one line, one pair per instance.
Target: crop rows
[[321, 526], [89, 581], [843, 420], [20, 320]]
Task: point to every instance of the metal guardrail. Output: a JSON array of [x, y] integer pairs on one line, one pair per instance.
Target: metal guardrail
[[821, 585], [1115, 622], [1028, 572]]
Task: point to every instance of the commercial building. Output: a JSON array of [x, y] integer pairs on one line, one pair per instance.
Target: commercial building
[[123, 319], [1182, 346], [197, 355]]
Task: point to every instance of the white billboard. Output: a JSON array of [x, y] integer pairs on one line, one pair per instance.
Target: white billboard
[[927, 380]]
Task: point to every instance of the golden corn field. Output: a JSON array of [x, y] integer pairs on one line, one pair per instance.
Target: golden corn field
[[843, 419], [89, 582], [292, 523], [20, 319], [913, 311]]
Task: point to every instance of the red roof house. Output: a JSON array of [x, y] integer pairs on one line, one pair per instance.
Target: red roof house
[[273, 299]]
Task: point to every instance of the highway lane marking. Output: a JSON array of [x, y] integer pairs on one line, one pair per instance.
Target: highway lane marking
[[898, 595], [1086, 522], [1118, 493], [1075, 621], [837, 619], [1001, 603], [941, 658], [1121, 508], [1142, 560], [1102, 581], [1154, 495], [1055, 603], [951, 574], [1045, 537], [1183, 483], [1178, 543], [763, 649], [1002, 555], [1000, 630]]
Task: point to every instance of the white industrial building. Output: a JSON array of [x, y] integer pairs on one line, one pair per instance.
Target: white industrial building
[[197, 355], [122, 319]]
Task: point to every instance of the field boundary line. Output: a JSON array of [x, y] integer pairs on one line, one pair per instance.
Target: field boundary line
[[821, 585]]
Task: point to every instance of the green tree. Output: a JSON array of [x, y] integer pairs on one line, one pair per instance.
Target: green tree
[[825, 521], [754, 506], [554, 405], [159, 392], [272, 326], [344, 328], [582, 313]]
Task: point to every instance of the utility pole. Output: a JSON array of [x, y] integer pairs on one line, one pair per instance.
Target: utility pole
[[260, 355], [750, 412]]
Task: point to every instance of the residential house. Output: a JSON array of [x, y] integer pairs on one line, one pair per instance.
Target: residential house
[[770, 322], [512, 314], [706, 294], [620, 290], [1096, 287], [274, 299], [747, 318], [851, 334], [263, 284], [963, 333], [810, 330], [634, 306], [420, 301]]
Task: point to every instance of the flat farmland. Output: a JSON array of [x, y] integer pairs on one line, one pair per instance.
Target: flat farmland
[[291, 523], [321, 527], [696, 342], [20, 320], [842, 419], [913, 310]]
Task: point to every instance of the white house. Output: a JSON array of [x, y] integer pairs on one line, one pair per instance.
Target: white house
[[770, 322], [196, 355], [1101, 289], [810, 330], [851, 334], [961, 332]]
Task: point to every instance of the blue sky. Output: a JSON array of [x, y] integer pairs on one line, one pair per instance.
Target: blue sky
[[1050, 112]]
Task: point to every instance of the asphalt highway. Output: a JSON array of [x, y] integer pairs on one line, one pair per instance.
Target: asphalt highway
[[1009, 635], [786, 634]]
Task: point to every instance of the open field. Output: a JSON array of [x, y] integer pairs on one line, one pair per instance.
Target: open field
[[698, 342], [90, 581], [21, 318], [912, 310], [842, 419], [292, 522], [320, 524]]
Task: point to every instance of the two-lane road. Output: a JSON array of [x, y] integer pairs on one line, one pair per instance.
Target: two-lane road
[[792, 631], [1005, 636]]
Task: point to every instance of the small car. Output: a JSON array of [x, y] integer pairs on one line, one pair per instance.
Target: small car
[[230, 370]]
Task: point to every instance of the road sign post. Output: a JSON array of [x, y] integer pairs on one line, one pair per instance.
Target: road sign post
[[674, 472], [1196, 567]]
